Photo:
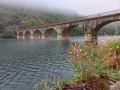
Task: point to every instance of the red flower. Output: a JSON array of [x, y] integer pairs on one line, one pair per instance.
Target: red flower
[[105, 64], [67, 50], [113, 61], [99, 69], [80, 56], [98, 54], [111, 64], [76, 52], [82, 60], [102, 56], [74, 57], [108, 58]]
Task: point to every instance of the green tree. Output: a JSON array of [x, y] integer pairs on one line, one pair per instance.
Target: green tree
[[2, 27]]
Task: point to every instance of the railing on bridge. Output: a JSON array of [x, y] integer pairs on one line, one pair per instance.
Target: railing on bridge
[[77, 19]]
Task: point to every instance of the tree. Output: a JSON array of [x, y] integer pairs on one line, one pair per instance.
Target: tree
[[2, 27]]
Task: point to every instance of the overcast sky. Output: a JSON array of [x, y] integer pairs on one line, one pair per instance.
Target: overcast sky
[[82, 7]]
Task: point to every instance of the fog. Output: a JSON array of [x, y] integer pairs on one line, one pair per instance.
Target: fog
[[82, 7]]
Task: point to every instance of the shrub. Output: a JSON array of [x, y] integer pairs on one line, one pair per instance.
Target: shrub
[[94, 60]]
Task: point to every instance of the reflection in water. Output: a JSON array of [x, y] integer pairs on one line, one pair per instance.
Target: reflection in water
[[23, 61]]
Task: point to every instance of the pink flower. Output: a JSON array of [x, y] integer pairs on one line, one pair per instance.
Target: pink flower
[[109, 54], [80, 56], [98, 54], [70, 40], [114, 56], [108, 58], [67, 50], [82, 60], [85, 53]]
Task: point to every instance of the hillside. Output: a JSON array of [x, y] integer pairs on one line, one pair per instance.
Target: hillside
[[17, 15]]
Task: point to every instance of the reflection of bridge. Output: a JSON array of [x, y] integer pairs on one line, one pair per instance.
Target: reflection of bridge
[[90, 24]]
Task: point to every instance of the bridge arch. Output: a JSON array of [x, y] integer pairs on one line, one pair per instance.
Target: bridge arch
[[99, 26], [20, 35], [15, 34], [37, 34], [66, 31], [27, 35], [48, 33]]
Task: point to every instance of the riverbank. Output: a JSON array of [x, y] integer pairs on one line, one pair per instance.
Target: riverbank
[[95, 67], [98, 67]]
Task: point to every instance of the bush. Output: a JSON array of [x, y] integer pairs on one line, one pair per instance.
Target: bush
[[95, 60], [6, 34]]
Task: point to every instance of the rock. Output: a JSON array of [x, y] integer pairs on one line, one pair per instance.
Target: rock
[[115, 86]]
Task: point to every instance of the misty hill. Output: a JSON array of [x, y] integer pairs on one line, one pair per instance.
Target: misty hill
[[17, 15]]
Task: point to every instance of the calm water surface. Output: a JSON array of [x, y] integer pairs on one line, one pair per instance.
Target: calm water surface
[[23, 61]]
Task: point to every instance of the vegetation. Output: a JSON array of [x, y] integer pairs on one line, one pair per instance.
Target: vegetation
[[91, 63], [94, 67]]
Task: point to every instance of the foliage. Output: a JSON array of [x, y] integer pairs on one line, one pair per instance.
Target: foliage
[[53, 82], [2, 27], [6, 34], [94, 60], [77, 31]]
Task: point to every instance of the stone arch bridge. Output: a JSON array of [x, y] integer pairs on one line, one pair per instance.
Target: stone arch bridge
[[90, 24]]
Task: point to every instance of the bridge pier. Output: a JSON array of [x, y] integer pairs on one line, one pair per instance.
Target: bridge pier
[[43, 36], [59, 37], [18, 37], [63, 37], [31, 36], [89, 37]]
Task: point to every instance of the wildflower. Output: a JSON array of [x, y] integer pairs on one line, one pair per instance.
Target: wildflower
[[108, 58], [111, 64], [99, 69], [82, 60], [42, 76], [113, 61], [35, 83], [76, 52], [114, 56], [70, 40], [98, 54], [80, 56], [74, 57], [105, 64], [67, 50], [85, 53], [89, 61], [102, 56], [109, 54]]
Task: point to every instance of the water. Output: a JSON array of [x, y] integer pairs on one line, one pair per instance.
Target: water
[[23, 61]]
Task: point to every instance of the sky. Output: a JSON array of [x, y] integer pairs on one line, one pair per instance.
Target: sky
[[82, 7]]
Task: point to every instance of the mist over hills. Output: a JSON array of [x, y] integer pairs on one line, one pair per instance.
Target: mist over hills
[[13, 15]]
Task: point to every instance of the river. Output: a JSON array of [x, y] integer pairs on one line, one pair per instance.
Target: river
[[23, 61]]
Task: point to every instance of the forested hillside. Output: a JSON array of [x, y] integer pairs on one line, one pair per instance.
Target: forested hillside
[[19, 17]]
